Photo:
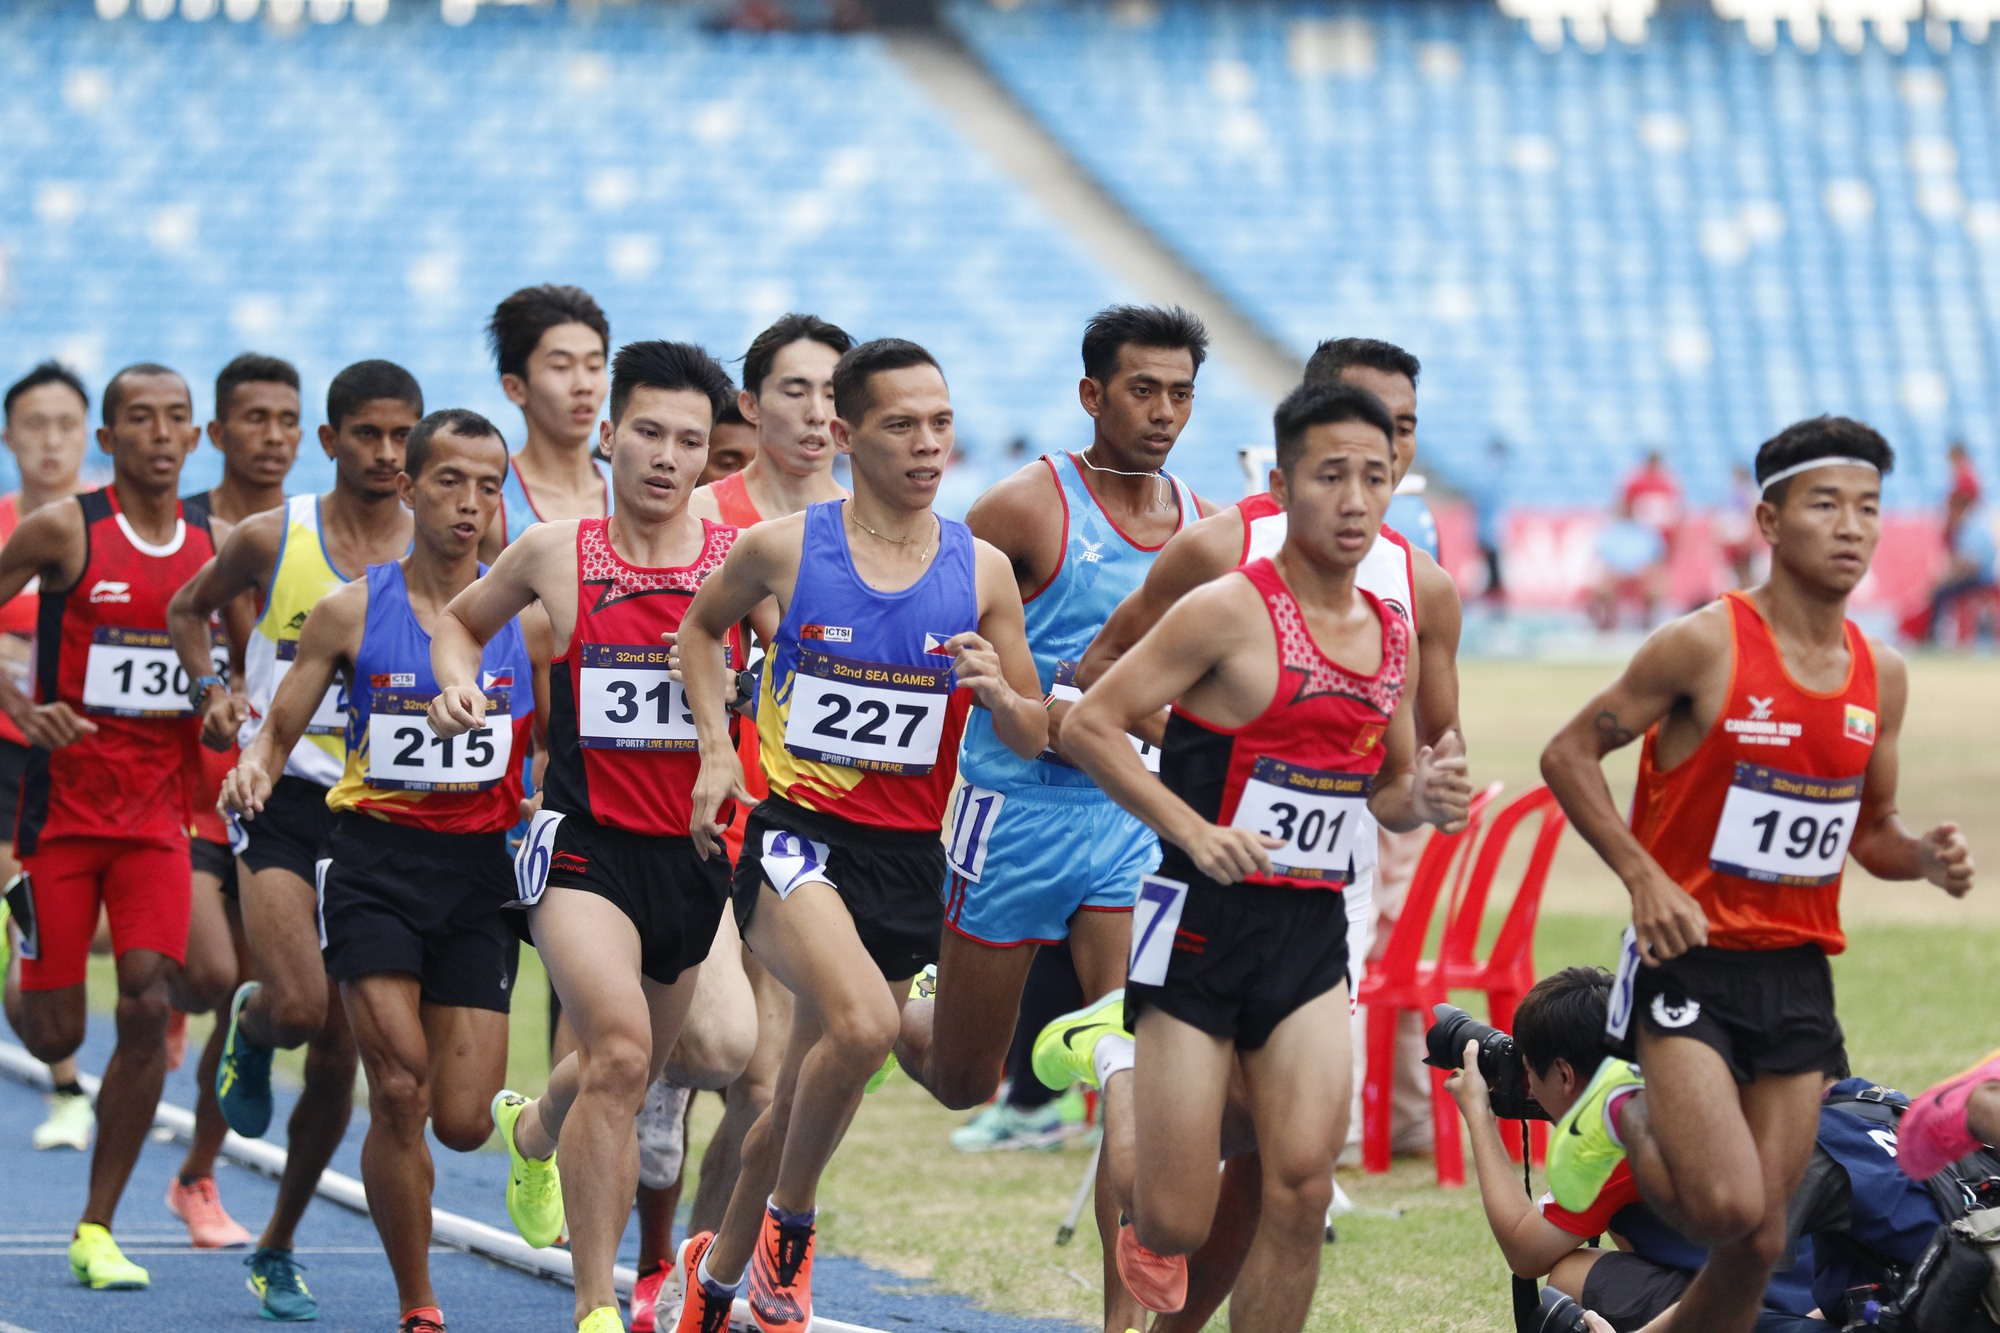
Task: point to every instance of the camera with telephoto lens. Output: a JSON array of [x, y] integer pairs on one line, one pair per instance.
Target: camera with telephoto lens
[[1556, 1313], [1500, 1061]]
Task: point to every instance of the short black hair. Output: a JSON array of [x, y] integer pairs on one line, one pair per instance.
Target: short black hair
[[519, 322], [852, 397], [1562, 1018], [47, 372], [114, 390], [659, 364], [731, 415], [795, 327], [1819, 437], [252, 368], [1116, 327], [460, 421], [1335, 355], [1312, 405], [367, 381]]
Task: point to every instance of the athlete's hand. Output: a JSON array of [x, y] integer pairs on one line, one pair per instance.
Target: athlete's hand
[[458, 709], [1947, 860], [977, 667], [720, 781], [245, 789], [222, 716], [1228, 855], [52, 726], [1665, 917], [1442, 789], [1468, 1086], [672, 640], [532, 805]]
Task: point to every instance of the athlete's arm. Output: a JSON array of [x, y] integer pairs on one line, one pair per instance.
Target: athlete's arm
[[480, 611], [1439, 620], [49, 544], [541, 641], [1190, 643], [1529, 1242], [243, 563], [328, 642], [1013, 515], [1666, 673], [1419, 785], [747, 579], [995, 663], [1882, 842]]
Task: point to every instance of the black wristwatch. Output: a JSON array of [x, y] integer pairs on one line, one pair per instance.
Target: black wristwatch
[[199, 690]]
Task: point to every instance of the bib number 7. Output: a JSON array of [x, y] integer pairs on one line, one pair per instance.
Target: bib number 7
[[1156, 917]]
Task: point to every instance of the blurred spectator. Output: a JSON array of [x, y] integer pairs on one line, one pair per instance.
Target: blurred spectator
[[732, 443], [1635, 548], [1970, 550], [1736, 527], [1651, 495], [1489, 493]]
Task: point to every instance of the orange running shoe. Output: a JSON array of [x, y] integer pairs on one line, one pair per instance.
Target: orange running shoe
[[1157, 1281], [781, 1269], [210, 1227], [177, 1039], [701, 1312], [646, 1298]]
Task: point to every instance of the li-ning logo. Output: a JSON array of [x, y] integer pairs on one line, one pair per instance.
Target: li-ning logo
[[106, 590], [570, 862], [1675, 1015], [1760, 709]]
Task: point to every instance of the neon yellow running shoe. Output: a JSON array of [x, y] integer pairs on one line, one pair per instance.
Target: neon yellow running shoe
[[534, 1189], [604, 1319], [1066, 1051], [1583, 1151], [98, 1264], [923, 986]]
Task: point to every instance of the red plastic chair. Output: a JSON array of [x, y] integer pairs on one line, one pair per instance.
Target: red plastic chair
[[1400, 981]]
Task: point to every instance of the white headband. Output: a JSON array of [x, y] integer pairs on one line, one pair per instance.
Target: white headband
[[1786, 474]]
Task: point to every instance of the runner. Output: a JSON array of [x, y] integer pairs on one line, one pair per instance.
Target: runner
[[1289, 715], [256, 429], [47, 429], [895, 621], [1770, 725], [619, 906], [550, 344], [290, 558], [731, 445], [416, 871], [104, 802]]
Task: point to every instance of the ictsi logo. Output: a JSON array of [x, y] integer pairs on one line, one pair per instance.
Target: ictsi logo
[[106, 590]]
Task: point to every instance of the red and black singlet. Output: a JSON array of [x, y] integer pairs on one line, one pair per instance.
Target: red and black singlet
[[1302, 769], [622, 746]]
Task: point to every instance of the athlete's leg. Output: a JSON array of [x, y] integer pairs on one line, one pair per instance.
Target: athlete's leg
[[1178, 1084], [1213, 1269], [1100, 943], [319, 1120], [130, 1091], [205, 1144], [1690, 1145], [208, 978], [955, 1043], [384, 1011], [720, 1032], [281, 923], [746, 1098]]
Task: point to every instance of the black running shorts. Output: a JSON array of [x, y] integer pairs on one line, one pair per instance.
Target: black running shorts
[[289, 833], [1630, 1292], [429, 905], [1765, 1011], [890, 879], [13, 767], [1246, 957], [214, 858], [673, 897]]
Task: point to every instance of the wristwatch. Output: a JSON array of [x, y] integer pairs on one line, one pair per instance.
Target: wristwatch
[[199, 690]]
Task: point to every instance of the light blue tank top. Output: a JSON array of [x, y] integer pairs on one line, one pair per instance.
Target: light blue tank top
[[518, 512], [1100, 568]]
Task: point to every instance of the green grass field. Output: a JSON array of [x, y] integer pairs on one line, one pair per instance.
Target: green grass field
[[1912, 1000]]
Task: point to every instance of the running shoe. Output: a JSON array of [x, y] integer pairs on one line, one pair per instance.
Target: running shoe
[[1157, 1281], [1003, 1128], [177, 1039], [98, 1264], [1065, 1053], [646, 1297], [662, 1128], [210, 1227], [274, 1279], [243, 1079], [1583, 1148], [72, 1123], [1933, 1133], [781, 1277], [534, 1189], [702, 1310], [423, 1319], [604, 1319], [6, 930], [923, 986]]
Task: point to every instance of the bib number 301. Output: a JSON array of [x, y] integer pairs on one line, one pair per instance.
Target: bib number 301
[[868, 715], [1316, 812], [1783, 828]]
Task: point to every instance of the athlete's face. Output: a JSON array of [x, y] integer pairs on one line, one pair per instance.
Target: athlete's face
[[259, 432], [152, 432], [1143, 408], [793, 410], [1825, 531], [657, 450], [1336, 493], [48, 431], [1399, 395], [458, 493], [565, 385], [730, 448], [367, 450], [899, 447]]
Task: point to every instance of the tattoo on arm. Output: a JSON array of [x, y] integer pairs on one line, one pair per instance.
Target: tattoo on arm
[[1611, 731]]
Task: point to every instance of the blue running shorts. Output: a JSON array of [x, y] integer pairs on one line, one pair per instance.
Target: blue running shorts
[[1022, 863]]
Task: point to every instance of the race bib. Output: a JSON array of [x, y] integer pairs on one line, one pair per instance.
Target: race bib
[[974, 812], [1155, 918], [1318, 813], [404, 754], [625, 699], [868, 715], [1780, 828], [1618, 1012], [533, 856], [1065, 689], [330, 718], [134, 673], [791, 859]]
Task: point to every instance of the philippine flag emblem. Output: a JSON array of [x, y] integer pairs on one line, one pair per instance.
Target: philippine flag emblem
[[935, 643], [496, 680], [1860, 724]]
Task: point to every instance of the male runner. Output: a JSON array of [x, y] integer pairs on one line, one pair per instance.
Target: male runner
[[291, 558], [550, 344], [104, 802], [1289, 718], [894, 622], [1770, 726], [416, 871], [621, 909], [731, 445], [47, 430], [256, 429]]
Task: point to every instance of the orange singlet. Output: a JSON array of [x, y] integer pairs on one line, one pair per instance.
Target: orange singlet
[[732, 497], [1755, 824]]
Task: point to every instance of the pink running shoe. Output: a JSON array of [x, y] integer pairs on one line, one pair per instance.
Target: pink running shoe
[[177, 1039], [198, 1205], [1157, 1281], [646, 1298], [1933, 1133]]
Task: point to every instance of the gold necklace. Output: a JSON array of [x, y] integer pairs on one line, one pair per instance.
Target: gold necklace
[[922, 556]]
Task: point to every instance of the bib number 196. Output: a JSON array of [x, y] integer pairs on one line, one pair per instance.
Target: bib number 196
[[1785, 828]]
